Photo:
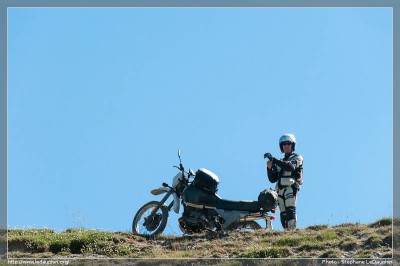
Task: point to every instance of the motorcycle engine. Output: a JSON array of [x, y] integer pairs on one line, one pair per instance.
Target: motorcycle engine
[[194, 221]]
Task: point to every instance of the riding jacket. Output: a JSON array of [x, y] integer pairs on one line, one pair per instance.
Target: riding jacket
[[288, 171]]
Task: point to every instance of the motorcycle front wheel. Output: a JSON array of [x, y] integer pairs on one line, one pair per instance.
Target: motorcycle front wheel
[[250, 225], [146, 224]]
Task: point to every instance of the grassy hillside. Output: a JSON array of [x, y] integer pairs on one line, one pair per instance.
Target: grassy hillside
[[351, 240]]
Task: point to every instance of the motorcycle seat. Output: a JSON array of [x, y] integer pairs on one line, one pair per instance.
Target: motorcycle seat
[[231, 205]]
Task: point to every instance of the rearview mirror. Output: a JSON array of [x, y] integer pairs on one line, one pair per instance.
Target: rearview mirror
[[191, 172]]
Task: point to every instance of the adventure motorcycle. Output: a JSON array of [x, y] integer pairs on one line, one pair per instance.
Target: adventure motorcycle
[[203, 209]]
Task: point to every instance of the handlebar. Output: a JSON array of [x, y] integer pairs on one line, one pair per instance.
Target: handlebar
[[182, 169], [179, 167]]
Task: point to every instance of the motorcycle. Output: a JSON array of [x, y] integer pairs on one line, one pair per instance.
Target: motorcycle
[[203, 209]]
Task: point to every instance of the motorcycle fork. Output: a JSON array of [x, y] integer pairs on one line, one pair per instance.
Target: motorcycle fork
[[170, 205], [162, 203]]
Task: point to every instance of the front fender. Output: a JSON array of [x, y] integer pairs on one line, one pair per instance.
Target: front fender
[[162, 190]]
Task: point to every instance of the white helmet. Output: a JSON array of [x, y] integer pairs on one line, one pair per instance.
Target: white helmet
[[287, 138]]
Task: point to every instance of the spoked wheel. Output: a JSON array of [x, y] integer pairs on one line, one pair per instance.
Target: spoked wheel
[[146, 224], [247, 226]]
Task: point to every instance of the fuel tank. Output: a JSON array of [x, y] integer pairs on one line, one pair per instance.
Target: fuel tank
[[197, 197]]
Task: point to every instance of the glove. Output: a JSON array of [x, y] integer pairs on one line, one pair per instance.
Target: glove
[[269, 156]]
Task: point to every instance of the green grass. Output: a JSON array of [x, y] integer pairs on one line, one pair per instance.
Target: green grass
[[351, 240], [271, 252]]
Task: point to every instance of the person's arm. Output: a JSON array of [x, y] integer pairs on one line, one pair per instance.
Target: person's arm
[[272, 172], [298, 172], [285, 165]]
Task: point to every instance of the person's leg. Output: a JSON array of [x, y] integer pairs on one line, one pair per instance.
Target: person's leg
[[290, 204], [282, 207]]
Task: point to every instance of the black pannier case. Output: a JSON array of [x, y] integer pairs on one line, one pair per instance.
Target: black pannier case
[[206, 180], [268, 199]]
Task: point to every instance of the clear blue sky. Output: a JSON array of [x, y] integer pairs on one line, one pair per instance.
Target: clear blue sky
[[100, 100]]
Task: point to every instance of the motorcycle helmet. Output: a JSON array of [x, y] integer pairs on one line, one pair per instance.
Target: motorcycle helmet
[[287, 138]]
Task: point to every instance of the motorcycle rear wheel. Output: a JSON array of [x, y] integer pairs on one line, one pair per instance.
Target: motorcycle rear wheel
[[250, 225], [141, 225]]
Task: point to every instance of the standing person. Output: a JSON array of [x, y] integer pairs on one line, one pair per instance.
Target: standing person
[[288, 172]]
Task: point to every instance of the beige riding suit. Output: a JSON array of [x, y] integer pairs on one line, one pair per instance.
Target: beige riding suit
[[288, 173]]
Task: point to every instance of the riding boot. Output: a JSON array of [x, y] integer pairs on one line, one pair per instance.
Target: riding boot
[[283, 219], [291, 217]]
